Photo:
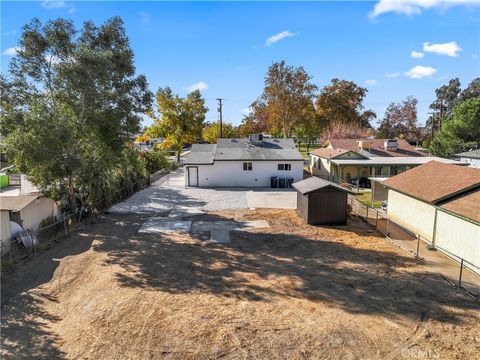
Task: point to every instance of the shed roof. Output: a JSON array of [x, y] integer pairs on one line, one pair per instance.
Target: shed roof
[[314, 183], [16, 203], [435, 181]]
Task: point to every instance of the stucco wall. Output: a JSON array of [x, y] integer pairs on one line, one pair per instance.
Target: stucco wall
[[460, 237], [411, 213], [231, 173], [5, 232], [379, 191], [34, 213], [471, 162], [319, 166]]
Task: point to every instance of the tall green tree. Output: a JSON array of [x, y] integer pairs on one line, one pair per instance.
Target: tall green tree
[[400, 120], [461, 132], [179, 120], [446, 99], [341, 103], [471, 91], [70, 105], [287, 93], [309, 129]]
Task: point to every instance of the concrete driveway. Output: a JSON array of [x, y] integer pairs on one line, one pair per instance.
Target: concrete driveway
[[169, 193]]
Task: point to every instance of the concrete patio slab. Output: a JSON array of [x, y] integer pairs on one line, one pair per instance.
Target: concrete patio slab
[[202, 226], [162, 225], [220, 236], [286, 199]]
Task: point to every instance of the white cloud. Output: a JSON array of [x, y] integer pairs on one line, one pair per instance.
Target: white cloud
[[392, 75], [371, 82], [198, 86], [417, 54], [54, 4], [415, 7], [450, 49], [277, 37], [11, 51], [419, 71]]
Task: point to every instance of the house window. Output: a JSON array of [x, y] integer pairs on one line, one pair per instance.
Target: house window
[[284, 167], [247, 166]]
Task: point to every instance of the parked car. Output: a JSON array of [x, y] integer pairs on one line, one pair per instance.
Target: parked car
[[362, 182], [384, 205]]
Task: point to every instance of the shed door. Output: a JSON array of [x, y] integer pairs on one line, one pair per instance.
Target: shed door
[[192, 175]]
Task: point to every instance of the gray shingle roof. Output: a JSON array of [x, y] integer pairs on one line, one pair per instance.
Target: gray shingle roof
[[314, 183], [242, 149], [473, 154], [201, 154]]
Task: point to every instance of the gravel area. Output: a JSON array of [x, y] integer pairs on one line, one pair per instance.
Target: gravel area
[[170, 193]]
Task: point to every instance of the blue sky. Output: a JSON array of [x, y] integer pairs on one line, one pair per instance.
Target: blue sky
[[223, 47]]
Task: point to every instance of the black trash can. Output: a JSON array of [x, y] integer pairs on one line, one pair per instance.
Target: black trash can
[[282, 183], [274, 182], [290, 182]]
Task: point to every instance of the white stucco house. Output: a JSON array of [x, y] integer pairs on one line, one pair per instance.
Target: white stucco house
[[440, 203], [248, 162], [472, 158]]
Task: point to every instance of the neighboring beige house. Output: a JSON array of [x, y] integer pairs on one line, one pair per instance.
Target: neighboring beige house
[[28, 211], [441, 204], [362, 159]]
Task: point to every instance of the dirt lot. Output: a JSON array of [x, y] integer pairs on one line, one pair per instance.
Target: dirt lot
[[289, 292]]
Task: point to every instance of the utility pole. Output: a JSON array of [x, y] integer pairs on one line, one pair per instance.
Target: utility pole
[[433, 122], [220, 112]]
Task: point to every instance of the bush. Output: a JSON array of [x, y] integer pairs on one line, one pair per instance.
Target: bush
[[156, 160]]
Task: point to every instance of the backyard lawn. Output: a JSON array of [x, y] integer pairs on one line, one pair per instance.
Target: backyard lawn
[[366, 198], [302, 148]]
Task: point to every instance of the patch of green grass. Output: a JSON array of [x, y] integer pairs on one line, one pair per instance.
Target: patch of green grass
[[366, 198]]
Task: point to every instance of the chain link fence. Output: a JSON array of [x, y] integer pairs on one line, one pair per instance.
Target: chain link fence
[[56, 230], [458, 271]]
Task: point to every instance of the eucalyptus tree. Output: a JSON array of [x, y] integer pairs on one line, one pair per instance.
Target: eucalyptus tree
[[71, 103]]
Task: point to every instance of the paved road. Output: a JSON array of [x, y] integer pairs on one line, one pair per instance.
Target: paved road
[[169, 193]]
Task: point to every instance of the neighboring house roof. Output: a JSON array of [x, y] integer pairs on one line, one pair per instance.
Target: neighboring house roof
[[376, 147], [244, 150], [328, 153], [466, 205], [16, 203], [394, 161], [314, 183], [474, 154], [435, 181]]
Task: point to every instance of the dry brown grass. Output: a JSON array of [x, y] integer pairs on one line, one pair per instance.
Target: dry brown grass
[[290, 291]]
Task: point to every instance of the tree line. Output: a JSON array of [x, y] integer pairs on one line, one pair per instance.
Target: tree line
[[71, 103]]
